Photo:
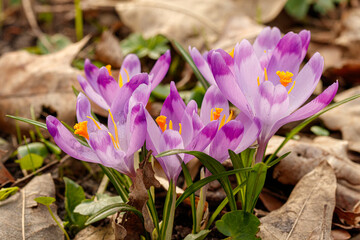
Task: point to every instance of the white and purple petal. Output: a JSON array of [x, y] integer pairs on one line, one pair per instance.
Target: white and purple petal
[[132, 65], [266, 40], [202, 65], [160, 69], [213, 99], [91, 93], [91, 74], [108, 87]]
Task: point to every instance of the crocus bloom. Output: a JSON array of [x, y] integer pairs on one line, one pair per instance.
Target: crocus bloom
[[236, 135], [109, 147], [100, 86], [272, 94], [177, 127]]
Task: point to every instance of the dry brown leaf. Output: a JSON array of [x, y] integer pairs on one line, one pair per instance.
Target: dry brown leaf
[[306, 155], [191, 22], [346, 118], [349, 219], [22, 216], [96, 233], [108, 50], [340, 234], [41, 81], [308, 212]]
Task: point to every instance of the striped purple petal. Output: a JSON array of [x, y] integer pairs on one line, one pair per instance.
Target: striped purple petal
[[202, 65], [266, 40], [108, 87], [90, 92], [160, 69], [213, 99], [132, 65]]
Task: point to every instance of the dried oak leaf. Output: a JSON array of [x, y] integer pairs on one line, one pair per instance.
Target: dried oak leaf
[[308, 212], [349, 219], [346, 118], [108, 50], [20, 214], [41, 81], [130, 227], [306, 155]]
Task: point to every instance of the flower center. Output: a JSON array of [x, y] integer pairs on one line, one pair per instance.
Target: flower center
[[216, 115], [81, 129], [285, 77], [161, 121], [108, 67]]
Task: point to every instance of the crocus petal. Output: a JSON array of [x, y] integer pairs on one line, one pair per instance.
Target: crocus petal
[[213, 99], [202, 65], [103, 146], [171, 165], [228, 137], [285, 57], [153, 134], [252, 128], [160, 69], [173, 107], [306, 81], [90, 92], [132, 65], [272, 103], [187, 129], [91, 74], [83, 110], [107, 85], [137, 129], [247, 70], [68, 143], [305, 40], [312, 107], [202, 139], [227, 84], [229, 60], [266, 40]]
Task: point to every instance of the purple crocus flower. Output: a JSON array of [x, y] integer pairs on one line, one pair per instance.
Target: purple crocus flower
[[236, 135], [272, 94], [100, 86], [177, 127], [114, 147]]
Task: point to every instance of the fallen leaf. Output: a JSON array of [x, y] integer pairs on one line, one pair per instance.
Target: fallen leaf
[[349, 219], [346, 118], [22, 216], [340, 234], [108, 50], [306, 155], [5, 175], [96, 233], [308, 212], [43, 82]]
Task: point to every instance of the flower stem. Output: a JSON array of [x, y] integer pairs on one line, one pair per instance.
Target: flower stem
[[57, 222]]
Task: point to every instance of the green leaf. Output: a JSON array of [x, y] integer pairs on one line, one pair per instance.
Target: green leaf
[[319, 131], [323, 6], [47, 201], [239, 225], [30, 161], [307, 121], [74, 195], [254, 185], [27, 120], [272, 163], [112, 209], [55, 42], [213, 166], [189, 60], [52, 147], [297, 8], [161, 91], [197, 94], [198, 236], [35, 147], [6, 192], [90, 207], [116, 182]]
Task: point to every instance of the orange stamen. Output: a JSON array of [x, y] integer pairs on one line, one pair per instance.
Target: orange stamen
[[291, 87], [285, 77], [81, 129], [216, 114], [97, 125], [161, 121]]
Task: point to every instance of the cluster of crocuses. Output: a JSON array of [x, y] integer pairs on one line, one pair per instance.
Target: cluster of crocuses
[[262, 80]]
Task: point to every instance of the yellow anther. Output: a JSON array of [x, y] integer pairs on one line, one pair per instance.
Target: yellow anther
[[232, 53], [170, 125], [230, 116], [180, 128], [216, 114], [113, 141], [285, 77], [108, 67], [97, 125], [291, 87], [265, 74], [115, 128], [161, 121], [81, 129], [258, 80]]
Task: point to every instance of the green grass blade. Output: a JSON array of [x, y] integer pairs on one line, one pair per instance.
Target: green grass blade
[[30, 121], [189, 60]]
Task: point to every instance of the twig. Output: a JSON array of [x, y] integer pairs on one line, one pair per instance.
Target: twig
[[49, 165], [30, 16], [23, 215]]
